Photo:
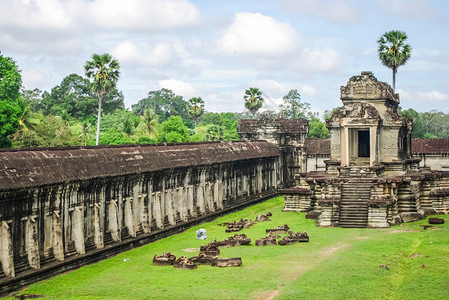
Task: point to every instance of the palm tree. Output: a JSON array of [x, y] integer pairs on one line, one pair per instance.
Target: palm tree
[[393, 52], [84, 132], [253, 100], [196, 109], [104, 71], [27, 118], [150, 120]]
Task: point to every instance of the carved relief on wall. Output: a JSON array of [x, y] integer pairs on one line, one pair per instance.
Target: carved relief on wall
[[335, 149], [366, 86], [357, 112]]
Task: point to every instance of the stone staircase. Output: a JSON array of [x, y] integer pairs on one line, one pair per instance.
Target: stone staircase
[[355, 194]]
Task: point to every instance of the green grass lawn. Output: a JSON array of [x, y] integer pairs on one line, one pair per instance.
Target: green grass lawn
[[337, 263]]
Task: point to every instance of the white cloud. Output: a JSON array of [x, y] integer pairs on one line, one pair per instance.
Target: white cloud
[[335, 11], [178, 87], [36, 14], [318, 60], [32, 78], [422, 97], [160, 55], [415, 9], [37, 26], [308, 91], [142, 15], [253, 34]]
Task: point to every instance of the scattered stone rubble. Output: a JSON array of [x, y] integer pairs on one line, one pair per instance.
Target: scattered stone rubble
[[184, 263], [267, 241], [245, 223], [290, 239], [293, 238], [278, 230], [166, 259], [209, 253], [210, 249], [436, 221], [227, 262]]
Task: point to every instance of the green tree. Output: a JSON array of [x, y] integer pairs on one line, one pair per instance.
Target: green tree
[[104, 71], [318, 129], [10, 111], [293, 108], [84, 132], [196, 109], [253, 100], [10, 114], [164, 103], [10, 79], [150, 120], [33, 98], [393, 52], [174, 130], [75, 96], [214, 133]]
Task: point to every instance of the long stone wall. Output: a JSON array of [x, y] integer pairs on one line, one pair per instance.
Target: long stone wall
[[61, 208]]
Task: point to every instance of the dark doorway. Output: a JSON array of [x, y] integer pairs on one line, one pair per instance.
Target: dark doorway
[[363, 143]]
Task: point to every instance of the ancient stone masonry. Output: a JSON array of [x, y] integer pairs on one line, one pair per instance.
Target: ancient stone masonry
[[288, 134], [61, 206], [371, 178]]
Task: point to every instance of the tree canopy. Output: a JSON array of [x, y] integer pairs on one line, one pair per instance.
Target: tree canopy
[[104, 72], [10, 111], [253, 100], [164, 103], [196, 109], [393, 52]]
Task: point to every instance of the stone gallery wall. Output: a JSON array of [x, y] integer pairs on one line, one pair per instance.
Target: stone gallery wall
[[60, 206]]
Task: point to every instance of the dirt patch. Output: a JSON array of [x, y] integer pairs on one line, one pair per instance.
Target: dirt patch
[[267, 296], [326, 252], [191, 249], [403, 231], [292, 272], [361, 238]]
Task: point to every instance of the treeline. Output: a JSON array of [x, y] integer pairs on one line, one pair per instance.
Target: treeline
[[430, 125], [67, 115]]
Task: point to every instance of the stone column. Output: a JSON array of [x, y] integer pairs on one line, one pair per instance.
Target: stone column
[[98, 226], [32, 243], [345, 147], [78, 229], [6, 250], [373, 145], [169, 209], [129, 218], [114, 227], [56, 236], [157, 210], [190, 203], [182, 203]]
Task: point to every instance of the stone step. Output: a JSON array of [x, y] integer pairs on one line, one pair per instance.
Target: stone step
[[353, 212]]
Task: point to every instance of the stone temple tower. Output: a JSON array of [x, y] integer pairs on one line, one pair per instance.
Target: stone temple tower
[[367, 133], [371, 178]]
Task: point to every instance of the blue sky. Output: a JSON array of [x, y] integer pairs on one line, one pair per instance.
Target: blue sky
[[217, 49]]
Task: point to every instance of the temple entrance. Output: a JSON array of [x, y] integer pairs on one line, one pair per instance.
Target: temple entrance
[[363, 143]]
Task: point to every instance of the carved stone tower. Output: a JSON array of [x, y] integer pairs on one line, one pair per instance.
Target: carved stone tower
[[371, 178], [368, 131]]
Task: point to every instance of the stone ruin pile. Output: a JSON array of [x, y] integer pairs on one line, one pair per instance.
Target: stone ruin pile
[[208, 255], [235, 226], [290, 239]]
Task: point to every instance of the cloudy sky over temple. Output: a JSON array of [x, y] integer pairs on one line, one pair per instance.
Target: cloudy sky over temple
[[217, 49]]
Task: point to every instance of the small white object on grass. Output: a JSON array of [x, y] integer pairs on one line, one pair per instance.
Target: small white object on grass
[[201, 234]]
